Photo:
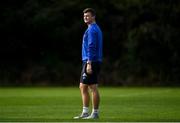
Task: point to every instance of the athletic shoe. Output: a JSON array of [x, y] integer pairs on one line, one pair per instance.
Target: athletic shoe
[[83, 115], [92, 116]]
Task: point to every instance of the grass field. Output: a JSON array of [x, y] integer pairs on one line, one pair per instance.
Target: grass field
[[117, 104]]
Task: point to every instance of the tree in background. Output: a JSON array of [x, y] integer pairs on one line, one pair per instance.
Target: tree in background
[[40, 41]]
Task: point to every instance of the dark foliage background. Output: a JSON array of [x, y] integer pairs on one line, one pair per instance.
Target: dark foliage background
[[40, 42]]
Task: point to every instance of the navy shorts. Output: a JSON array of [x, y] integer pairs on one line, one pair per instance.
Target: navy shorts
[[90, 78]]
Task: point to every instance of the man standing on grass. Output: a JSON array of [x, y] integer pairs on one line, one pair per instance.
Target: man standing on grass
[[92, 59]]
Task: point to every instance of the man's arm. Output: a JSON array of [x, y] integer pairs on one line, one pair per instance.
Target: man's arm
[[91, 50]]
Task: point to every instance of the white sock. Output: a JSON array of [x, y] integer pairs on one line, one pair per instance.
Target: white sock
[[95, 111], [85, 110]]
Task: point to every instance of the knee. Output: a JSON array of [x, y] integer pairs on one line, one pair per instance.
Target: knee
[[93, 89], [83, 89]]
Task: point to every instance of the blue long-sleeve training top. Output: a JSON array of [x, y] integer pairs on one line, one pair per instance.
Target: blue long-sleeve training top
[[92, 44]]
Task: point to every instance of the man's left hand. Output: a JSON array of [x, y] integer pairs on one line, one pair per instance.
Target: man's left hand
[[89, 68]]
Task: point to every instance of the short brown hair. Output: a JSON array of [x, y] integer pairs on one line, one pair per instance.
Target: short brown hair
[[91, 10]]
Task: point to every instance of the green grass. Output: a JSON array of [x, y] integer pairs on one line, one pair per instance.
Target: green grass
[[117, 104]]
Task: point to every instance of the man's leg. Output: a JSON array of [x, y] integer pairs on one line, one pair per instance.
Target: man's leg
[[95, 96], [85, 100], [84, 94], [95, 102]]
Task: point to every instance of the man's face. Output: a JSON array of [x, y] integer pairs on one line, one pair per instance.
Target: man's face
[[88, 18]]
